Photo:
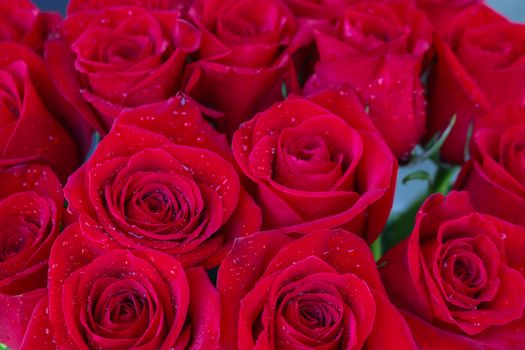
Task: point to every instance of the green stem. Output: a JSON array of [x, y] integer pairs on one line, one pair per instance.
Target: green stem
[[443, 180], [400, 227]]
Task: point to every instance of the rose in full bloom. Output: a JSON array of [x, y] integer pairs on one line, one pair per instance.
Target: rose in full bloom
[[480, 66], [31, 124], [378, 48], [22, 22], [441, 12], [243, 59], [318, 162], [107, 60], [164, 179], [495, 176], [163, 5], [321, 291], [459, 277], [119, 299], [31, 205]]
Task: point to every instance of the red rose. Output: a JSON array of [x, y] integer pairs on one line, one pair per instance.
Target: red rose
[[242, 61], [321, 291], [162, 179], [378, 49], [495, 176], [321, 9], [318, 162], [30, 126], [117, 58], [22, 22], [31, 204], [120, 299], [164, 5], [441, 12], [480, 66], [459, 278]]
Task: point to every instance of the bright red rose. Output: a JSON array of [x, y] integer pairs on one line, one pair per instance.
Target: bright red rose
[[117, 58], [163, 179], [22, 22], [31, 127], [118, 299], [441, 12], [378, 49], [164, 5], [459, 278], [321, 291], [31, 205], [318, 162], [242, 61], [495, 176], [480, 66]]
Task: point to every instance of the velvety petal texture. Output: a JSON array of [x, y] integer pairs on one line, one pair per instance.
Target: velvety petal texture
[[479, 67], [495, 176], [101, 298], [442, 12], [163, 5], [105, 59], [318, 162], [321, 291], [378, 48], [243, 60], [459, 277], [22, 22], [32, 125], [31, 205], [163, 179]]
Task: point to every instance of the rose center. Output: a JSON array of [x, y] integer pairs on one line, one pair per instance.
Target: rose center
[[316, 315], [126, 309], [126, 50], [14, 240], [466, 271], [309, 148], [155, 202]]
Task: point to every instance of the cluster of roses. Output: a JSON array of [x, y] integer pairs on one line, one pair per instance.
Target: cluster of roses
[[219, 212]]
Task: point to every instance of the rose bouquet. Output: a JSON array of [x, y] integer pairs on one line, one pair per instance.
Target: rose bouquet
[[220, 174]]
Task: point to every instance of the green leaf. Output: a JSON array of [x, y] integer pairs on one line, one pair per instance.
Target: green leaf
[[431, 151], [376, 248], [421, 175], [3, 347]]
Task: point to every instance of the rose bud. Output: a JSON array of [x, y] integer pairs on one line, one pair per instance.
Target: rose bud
[[378, 49]]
